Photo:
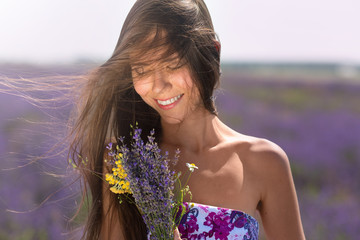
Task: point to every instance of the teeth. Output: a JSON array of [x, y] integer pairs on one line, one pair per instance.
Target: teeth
[[169, 101]]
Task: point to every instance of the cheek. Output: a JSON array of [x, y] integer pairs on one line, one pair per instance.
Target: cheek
[[185, 81], [142, 87], [191, 87]]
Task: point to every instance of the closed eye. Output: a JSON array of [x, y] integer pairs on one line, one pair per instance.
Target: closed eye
[[174, 65], [139, 71]]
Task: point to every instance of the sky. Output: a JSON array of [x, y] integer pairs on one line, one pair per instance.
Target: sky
[[64, 31]]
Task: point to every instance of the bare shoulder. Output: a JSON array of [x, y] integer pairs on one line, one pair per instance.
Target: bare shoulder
[[268, 174], [260, 156], [261, 153], [264, 160], [269, 167], [267, 155]]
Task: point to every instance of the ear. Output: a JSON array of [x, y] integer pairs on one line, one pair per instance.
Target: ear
[[217, 46]]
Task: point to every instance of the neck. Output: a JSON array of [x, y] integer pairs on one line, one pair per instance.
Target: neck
[[195, 134]]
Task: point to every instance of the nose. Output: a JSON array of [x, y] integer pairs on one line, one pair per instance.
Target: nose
[[161, 81]]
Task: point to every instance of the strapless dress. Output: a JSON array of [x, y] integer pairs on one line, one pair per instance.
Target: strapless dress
[[202, 222]]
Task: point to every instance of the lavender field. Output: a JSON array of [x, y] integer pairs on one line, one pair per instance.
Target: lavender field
[[315, 118]]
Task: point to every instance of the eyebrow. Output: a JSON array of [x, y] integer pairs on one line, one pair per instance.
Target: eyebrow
[[146, 63], [139, 64]]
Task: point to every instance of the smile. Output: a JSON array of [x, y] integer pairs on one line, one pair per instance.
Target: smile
[[169, 102]]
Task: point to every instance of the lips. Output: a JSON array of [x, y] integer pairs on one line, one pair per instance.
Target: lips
[[169, 103]]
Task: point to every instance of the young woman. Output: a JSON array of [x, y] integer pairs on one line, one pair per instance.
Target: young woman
[[162, 75]]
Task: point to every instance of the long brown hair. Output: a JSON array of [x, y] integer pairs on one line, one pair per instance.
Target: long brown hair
[[109, 104]]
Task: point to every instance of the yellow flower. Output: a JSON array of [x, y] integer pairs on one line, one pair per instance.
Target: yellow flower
[[117, 179]]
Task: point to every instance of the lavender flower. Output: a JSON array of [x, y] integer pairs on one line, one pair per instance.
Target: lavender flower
[[151, 182]]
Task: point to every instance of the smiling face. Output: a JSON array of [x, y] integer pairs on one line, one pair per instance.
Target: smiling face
[[166, 86]]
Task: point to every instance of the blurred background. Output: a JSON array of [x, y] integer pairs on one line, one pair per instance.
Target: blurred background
[[291, 74]]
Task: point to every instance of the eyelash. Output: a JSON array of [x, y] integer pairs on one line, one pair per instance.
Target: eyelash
[[139, 70], [174, 66], [171, 68]]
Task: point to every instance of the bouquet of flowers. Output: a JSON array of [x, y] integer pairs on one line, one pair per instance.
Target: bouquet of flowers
[[144, 172]]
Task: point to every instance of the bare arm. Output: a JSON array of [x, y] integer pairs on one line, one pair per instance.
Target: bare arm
[[279, 207]]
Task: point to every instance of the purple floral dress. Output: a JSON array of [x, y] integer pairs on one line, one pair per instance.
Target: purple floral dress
[[203, 222]]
